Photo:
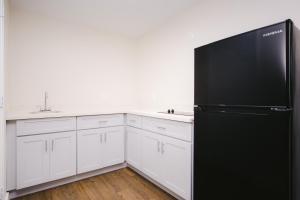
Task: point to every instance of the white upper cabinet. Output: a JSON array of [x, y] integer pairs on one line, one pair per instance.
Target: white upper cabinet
[[113, 146], [32, 160], [63, 154], [134, 147]]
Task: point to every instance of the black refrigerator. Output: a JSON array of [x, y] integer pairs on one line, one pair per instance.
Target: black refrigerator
[[244, 105]]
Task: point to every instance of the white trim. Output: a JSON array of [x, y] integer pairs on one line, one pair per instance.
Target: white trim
[[18, 193]]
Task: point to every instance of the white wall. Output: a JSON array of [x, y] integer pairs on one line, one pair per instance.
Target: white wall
[[166, 55], [79, 67]]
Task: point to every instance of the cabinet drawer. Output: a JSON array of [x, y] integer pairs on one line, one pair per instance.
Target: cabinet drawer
[[179, 130], [99, 121], [134, 120], [49, 125]]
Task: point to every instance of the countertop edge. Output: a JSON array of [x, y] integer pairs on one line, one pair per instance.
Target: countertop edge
[[26, 116]]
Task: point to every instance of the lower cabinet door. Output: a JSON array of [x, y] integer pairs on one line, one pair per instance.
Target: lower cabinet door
[[32, 160], [176, 166], [89, 149], [133, 147], [151, 155], [112, 149], [63, 155]]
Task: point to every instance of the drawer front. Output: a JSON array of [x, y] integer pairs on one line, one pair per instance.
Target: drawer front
[[99, 121], [134, 120], [49, 125], [179, 130]]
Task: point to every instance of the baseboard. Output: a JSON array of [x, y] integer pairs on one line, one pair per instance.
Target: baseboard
[[18, 193]]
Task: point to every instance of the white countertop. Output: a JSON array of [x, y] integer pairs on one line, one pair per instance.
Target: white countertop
[[27, 115], [181, 118]]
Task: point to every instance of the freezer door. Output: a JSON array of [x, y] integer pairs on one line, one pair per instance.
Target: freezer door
[[242, 156], [250, 69]]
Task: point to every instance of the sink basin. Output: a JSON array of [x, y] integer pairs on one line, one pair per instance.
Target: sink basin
[[50, 111]]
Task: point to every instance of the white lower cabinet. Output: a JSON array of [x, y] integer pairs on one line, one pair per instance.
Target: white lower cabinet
[[113, 151], [164, 159], [151, 155], [134, 147], [99, 148], [161, 149], [176, 166], [89, 149], [32, 160], [42, 158], [63, 155]]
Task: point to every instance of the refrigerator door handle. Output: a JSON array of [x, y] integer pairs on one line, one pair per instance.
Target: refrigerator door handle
[[281, 109], [241, 113]]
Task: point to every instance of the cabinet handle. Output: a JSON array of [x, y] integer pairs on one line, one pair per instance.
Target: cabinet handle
[[161, 128], [101, 138], [46, 145], [158, 146], [105, 137], [52, 145], [102, 122], [162, 148]]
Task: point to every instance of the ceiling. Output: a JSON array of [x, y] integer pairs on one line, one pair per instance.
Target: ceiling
[[132, 18]]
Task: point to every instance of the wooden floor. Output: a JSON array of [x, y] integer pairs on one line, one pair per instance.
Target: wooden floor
[[122, 184]]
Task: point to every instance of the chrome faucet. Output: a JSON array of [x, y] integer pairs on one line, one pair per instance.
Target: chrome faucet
[[45, 108]]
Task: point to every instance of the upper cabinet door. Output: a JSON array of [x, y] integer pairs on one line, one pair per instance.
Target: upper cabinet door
[[176, 166], [32, 160], [63, 154], [113, 146], [89, 149], [134, 147], [151, 155]]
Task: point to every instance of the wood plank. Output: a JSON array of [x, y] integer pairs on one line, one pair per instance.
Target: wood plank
[[123, 184]]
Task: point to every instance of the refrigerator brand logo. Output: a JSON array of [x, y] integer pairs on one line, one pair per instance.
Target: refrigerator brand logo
[[272, 33]]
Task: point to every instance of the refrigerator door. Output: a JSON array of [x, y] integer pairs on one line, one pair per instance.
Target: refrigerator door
[[242, 155], [251, 69]]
